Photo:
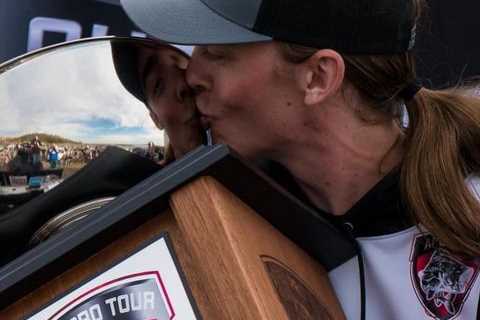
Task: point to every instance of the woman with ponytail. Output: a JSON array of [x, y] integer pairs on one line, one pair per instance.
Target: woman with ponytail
[[328, 90]]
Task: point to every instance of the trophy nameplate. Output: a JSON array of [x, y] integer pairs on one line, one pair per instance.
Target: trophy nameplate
[[148, 284]]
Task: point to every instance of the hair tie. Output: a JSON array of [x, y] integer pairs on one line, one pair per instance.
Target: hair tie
[[410, 91]]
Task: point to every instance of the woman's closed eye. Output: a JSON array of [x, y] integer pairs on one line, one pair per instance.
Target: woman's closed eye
[[155, 85], [160, 87], [213, 54]]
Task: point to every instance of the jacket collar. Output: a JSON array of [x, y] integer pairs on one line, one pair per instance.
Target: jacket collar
[[379, 212]]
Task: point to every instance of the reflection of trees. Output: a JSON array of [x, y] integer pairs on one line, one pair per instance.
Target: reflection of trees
[[44, 137]]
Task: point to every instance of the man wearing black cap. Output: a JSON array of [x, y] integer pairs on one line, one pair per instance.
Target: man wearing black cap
[[321, 87]]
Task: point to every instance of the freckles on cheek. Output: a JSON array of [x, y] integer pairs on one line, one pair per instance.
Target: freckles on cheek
[[231, 98], [249, 89]]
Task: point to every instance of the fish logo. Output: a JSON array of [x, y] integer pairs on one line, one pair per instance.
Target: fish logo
[[442, 280]]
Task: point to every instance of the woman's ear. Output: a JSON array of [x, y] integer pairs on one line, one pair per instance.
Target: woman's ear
[[322, 75]]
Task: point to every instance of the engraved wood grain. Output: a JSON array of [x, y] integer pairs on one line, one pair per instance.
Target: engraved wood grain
[[296, 297], [228, 239]]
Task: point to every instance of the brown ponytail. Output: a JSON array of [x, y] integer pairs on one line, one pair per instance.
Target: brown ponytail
[[442, 146], [442, 149]]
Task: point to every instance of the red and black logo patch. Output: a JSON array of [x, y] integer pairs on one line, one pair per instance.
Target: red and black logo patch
[[442, 280]]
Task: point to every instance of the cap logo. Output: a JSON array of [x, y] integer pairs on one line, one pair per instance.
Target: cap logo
[[413, 37]]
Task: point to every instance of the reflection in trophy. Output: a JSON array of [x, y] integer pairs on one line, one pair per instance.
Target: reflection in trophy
[[156, 76], [31, 166], [27, 169], [127, 93], [84, 122]]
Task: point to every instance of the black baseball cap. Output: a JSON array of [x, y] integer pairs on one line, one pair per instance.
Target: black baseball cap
[[348, 26]]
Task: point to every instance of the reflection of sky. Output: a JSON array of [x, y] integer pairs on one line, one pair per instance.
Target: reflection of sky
[[73, 93], [97, 129]]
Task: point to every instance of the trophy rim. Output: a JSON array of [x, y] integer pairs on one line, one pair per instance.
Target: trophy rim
[[67, 218]]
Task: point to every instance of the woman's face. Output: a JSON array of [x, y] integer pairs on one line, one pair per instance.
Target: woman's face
[[247, 96]]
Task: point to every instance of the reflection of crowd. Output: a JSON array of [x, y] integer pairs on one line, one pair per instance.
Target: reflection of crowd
[[152, 152], [35, 153], [80, 154], [27, 153], [7, 153]]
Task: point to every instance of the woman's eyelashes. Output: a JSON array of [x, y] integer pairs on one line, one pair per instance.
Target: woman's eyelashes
[[212, 54]]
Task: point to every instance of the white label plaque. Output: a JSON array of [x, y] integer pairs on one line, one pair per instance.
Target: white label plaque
[[144, 286]]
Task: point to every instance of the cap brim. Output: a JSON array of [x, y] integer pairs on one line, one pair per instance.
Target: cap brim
[[186, 22]]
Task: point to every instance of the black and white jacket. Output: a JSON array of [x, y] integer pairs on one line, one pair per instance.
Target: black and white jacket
[[406, 273]]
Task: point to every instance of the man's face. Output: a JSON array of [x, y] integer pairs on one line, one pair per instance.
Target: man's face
[[170, 100], [163, 76], [247, 96]]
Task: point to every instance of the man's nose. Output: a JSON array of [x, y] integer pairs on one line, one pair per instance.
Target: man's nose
[[197, 76]]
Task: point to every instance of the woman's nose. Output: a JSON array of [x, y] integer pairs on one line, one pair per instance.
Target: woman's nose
[[197, 77]]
